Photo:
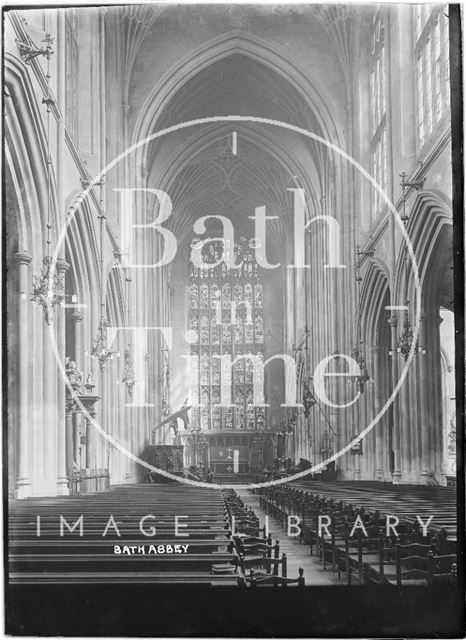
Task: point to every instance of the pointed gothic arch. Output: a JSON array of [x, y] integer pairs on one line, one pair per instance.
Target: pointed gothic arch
[[269, 54]]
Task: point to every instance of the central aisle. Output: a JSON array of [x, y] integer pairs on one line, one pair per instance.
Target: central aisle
[[298, 554]]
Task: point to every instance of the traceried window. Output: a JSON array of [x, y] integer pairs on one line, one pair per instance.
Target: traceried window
[[226, 316], [378, 118], [432, 69], [71, 72]]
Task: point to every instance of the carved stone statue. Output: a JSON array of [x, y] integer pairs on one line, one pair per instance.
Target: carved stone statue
[[90, 386], [75, 376]]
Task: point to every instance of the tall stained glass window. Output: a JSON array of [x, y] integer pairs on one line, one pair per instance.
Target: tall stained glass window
[[378, 122], [71, 71], [432, 68], [226, 317]]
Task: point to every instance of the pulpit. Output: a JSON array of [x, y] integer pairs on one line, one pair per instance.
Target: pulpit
[[83, 476], [167, 457]]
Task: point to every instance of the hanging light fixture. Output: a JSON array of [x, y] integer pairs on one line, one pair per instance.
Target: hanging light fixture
[[47, 288], [101, 350], [47, 291], [309, 400], [128, 374], [405, 185], [363, 377], [308, 396], [405, 341], [28, 50]]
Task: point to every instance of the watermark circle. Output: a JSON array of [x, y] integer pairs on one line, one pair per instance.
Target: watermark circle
[[309, 134]]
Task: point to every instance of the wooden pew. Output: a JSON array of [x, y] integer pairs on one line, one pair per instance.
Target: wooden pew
[[54, 559]]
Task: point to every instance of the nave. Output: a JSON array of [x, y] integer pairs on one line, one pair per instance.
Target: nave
[[233, 302], [286, 314], [211, 552], [172, 533]]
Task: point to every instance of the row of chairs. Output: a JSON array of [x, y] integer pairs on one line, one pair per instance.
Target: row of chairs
[[362, 556], [257, 558], [407, 501]]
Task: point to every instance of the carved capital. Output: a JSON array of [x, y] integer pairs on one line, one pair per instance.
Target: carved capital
[[62, 266], [23, 257]]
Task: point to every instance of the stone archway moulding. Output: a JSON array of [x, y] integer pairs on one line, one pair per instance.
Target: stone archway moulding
[[267, 53], [431, 216], [26, 155], [375, 286]]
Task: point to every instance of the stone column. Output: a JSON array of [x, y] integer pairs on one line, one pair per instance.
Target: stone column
[[23, 484], [436, 397], [49, 409], [443, 412], [357, 463], [405, 429], [62, 480], [91, 442], [414, 420], [77, 319], [404, 421], [78, 355], [77, 422], [81, 447], [69, 442], [37, 397], [62, 266], [379, 430], [104, 418], [424, 406], [396, 439]]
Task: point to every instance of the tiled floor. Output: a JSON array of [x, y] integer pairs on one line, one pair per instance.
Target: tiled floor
[[298, 554]]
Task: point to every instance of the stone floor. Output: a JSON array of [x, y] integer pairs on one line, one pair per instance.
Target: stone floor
[[298, 554]]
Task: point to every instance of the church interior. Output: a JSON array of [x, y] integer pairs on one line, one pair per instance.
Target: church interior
[[229, 250]]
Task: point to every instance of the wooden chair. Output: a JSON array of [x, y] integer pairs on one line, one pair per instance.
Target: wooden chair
[[267, 566], [275, 581]]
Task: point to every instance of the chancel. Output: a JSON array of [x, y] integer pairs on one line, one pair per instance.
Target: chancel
[[229, 294]]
